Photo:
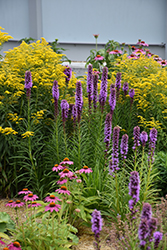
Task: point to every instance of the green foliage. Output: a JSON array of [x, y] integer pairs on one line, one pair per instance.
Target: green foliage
[[6, 223]]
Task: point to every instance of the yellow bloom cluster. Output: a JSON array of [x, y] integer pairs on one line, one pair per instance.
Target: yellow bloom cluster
[[8, 131], [149, 124], [38, 116], [14, 118], [27, 134], [4, 37]]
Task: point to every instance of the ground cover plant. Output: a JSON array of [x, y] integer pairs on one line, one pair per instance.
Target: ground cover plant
[[86, 144]]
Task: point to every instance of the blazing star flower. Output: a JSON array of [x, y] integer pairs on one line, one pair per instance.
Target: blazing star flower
[[97, 224], [34, 204], [113, 165], [10, 203], [18, 203], [68, 73], [103, 90], [146, 211], [79, 100], [52, 198], [99, 58], [157, 238], [85, 170], [118, 84], [112, 98], [136, 134], [125, 88], [143, 138], [90, 84], [134, 189], [25, 191], [107, 130], [152, 224], [55, 94], [30, 197], [152, 142], [74, 113], [124, 146], [64, 110], [61, 181], [143, 231], [28, 83], [66, 173], [52, 207], [57, 167], [63, 190], [14, 246], [66, 161], [1, 242], [116, 52], [95, 82]]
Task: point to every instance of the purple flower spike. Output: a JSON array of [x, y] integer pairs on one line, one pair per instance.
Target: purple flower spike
[[157, 238], [74, 112], [134, 188], [107, 131], [79, 100], [118, 84], [152, 142], [103, 90], [68, 73], [136, 134], [124, 146], [143, 138], [146, 211], [112, 98], [97, 224], [152, 224], [143, 231], [28, 83], [55, 94], [90, 84], [95, 82], [125, 88], [113, 165], [131, 94], [64, 110]]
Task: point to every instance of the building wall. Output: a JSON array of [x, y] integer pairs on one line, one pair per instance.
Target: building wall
[[73, 23]]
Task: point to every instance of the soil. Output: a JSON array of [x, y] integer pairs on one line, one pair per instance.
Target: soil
[[86, 237]]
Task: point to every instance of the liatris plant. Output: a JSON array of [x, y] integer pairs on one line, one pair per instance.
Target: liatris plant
[[113, 166], [157, 238], [118, 84], [96, 227], [146, 211], [95, 81], [112, 99], [143, 138], [68, 73], [136, 135], [64, 111], [134, 189], [143, 232], [90, 85], [125, 88], [124, 147], [103, 90], [78, 100], [152, 142], [28, 84], [55, 94], [131, 94], [74, 113], [107, 131]]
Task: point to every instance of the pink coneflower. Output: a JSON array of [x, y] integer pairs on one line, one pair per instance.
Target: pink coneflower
[[85, 170], [52, 207], [61, 181], [73, 177], [30, 197], [66, 161], [18, 203], [57, 167], [99, 58], [79, 180], [95, 35], [10, 203], [25, 191], [14, 246], [132, 56], [52, 198], [1, 242], [142, 43], [34, 204], [66, 173], [163, 63], [116, 52], [63, 190]]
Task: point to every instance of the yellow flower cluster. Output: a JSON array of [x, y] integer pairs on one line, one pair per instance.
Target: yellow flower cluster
[[8, 131], [38, 116], [149, 124], [4, 37], [14, 118], [27, 134]]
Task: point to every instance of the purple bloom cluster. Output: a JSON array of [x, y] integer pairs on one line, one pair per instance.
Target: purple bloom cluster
[[131, 94], [158, 237], [134, 190], [112, 98], [68, 73], [124, 146], [103, 90], [28, 83], [107, 130], [143, 138], [152, 142], [95, 81], [113, 165], [90, 84], [64, 110], [125, 88], [55, 94], [97, 224], [118, 84], [74, 112], [78, 100], [136, 134]]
